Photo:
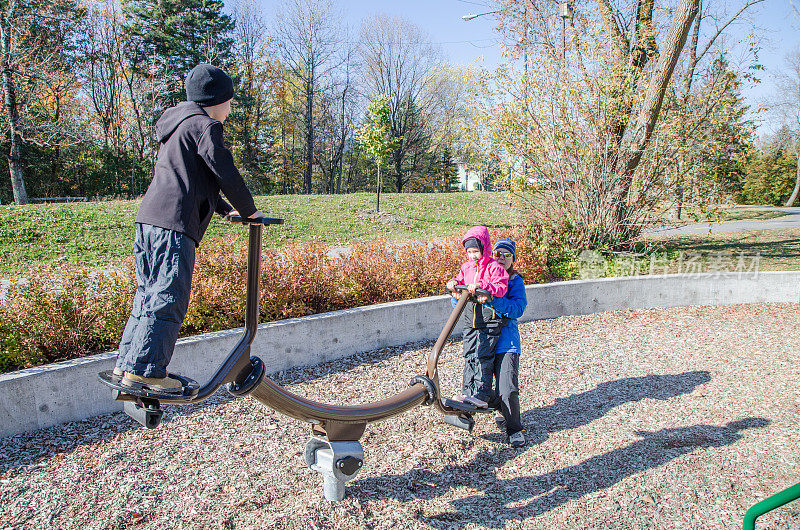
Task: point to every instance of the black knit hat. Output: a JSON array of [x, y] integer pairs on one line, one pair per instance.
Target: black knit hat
[[207, 85]]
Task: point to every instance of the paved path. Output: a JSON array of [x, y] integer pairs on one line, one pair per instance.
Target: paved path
[[789, 221]]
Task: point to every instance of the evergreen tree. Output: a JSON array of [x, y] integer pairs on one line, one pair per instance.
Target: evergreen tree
[[450, 180], [769, 175], [173, 36]]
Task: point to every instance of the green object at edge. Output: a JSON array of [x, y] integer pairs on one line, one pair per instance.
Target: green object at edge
[[769, 504]]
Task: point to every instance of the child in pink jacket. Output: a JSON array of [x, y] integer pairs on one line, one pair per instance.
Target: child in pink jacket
[[481, 323]]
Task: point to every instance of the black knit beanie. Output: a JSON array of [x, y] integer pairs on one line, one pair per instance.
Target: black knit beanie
[[473, 242], [207, 85]]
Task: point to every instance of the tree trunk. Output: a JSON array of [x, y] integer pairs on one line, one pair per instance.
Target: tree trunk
[[378, 187], [654, 97], [687, 88], [398, 168], [793, 198], [309, 138], [332, 175], [339, 176], [679, 190], [12, 112]]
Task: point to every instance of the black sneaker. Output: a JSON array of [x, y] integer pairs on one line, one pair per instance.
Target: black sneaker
[[158, 384], [478, 402], [500, 421], [517, 439]]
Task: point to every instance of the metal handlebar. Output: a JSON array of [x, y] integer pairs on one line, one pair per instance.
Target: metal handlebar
[[478, 292], [254, 220]]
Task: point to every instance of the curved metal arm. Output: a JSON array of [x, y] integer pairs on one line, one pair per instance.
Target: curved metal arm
[[326, 415], [238, 359], [275, 396], [767, 505]]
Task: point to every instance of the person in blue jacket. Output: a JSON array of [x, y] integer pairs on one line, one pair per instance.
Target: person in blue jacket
[[506, 358]]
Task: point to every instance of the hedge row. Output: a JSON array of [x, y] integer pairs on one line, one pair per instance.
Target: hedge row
[[64, 313]]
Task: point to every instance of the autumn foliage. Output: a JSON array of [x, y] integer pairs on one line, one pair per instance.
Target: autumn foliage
[[61, 313]]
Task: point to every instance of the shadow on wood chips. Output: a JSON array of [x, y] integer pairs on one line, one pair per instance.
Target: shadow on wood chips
[[534, 495]]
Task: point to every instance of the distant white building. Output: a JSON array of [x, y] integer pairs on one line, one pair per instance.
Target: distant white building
[[468, 180]]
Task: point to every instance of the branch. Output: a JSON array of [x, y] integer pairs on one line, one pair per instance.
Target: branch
[[645, 34], [728, 23]]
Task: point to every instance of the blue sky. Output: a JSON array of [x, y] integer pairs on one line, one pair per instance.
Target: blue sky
[[777, 25]]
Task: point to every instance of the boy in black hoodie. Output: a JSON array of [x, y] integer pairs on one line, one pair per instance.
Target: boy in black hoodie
[[192, 167]]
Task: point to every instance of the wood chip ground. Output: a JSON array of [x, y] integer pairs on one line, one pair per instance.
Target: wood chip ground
[[653, 418]]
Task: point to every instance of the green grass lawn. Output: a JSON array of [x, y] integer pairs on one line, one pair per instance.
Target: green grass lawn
[[775, 249], [744, 214], [101, 233], [728, 252]]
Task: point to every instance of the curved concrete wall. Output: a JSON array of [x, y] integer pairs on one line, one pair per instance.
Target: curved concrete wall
[[68, 391]]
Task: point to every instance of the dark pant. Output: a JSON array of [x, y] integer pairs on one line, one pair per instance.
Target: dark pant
[[506, 372], [479, 345], [164, 263]]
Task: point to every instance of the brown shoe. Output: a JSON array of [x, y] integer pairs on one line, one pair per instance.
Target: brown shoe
[[167, 384], [118, 371]]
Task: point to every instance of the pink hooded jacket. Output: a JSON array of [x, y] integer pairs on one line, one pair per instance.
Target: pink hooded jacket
[[490, 276]]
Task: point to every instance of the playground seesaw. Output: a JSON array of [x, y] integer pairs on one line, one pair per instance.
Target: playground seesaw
[[334, 448]]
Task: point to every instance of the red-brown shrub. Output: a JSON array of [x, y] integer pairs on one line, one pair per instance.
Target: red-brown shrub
[[63, 313], [299, 279], [532, 257], [218, 296], [374, 272]]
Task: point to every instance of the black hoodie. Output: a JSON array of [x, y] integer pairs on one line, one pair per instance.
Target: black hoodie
[[193, 165]]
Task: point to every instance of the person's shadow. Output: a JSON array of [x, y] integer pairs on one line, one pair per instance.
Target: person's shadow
[[523, 497], [582, 409]]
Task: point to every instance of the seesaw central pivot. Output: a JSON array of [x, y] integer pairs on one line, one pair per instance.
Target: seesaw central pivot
[[337, 461]]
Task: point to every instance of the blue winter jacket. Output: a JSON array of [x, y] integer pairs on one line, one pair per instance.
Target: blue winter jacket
[[511, 306]]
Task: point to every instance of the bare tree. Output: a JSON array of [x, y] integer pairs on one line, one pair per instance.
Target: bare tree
[[259, 79], [123, 99], [449, 119], [309, 42], [32, 38], [400, 60], [103, 81], [787, 102], [339, 109], [582, 118], [714, 21], [286, 145]]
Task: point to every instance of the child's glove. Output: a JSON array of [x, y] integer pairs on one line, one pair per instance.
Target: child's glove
[[451, 286]]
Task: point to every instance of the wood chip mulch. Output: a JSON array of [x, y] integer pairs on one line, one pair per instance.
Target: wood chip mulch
[[652, 418]]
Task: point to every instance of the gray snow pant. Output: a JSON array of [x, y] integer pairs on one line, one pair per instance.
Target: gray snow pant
[[164, 264], [479, 345], [506, 373]]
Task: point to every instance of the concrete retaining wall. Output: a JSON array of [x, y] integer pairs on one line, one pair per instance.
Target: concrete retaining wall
[[69, 391]]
